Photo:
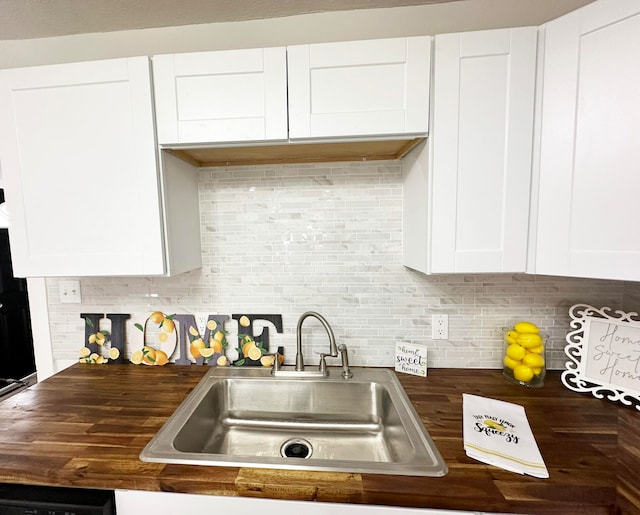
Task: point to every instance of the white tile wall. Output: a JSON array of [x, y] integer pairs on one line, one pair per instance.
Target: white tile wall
[[327, 237]]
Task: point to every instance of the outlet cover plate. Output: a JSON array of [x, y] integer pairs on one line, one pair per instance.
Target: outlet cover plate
[[440, 327], [70, 291]]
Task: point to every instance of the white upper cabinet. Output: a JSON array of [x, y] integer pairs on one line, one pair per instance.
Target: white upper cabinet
[[83, 186], [224, 96], [359, 88], [466, 193], [590, 144]]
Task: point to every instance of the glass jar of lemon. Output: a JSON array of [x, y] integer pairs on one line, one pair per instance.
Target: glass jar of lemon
[[524, 354]]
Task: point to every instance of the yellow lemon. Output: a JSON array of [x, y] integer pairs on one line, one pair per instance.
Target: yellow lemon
[[538, 350], [84, 352], [526, 327], [511, 363], [148, 355], [207, 352], [267, 361], [216, 345], [193, 331], [511, 337], [494, 425], [537, 371], [93, 357], [136, 357], [246, 348], [211, 325], [161, 358], [244, 321], [219, 336], [156, 317], [533, 360], [529, 340], [196, 347], [163, 337], [114, 353], [92, 338], [222, 361], [523, 373], [516, 352], [254, 353], [168, 325]]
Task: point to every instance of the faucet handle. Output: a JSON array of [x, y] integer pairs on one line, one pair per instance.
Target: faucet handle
[[322, 366]]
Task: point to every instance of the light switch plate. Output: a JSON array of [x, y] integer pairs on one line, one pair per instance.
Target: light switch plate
[[70, 292]]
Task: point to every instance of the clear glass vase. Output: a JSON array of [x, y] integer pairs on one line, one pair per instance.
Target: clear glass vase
[[524, 361]]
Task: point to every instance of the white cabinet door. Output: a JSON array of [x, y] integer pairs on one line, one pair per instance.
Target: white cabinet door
[[132, 502], [78, 153], [224, 96], [359, 88], [467, 202], [590, 144]]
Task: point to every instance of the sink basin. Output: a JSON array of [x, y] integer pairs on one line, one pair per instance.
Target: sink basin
[[247, 418]]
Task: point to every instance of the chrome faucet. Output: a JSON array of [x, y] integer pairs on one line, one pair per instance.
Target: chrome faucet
[[300, 368], [333, 349]]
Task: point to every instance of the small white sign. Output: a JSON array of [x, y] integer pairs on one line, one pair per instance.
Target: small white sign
[[411, 358]]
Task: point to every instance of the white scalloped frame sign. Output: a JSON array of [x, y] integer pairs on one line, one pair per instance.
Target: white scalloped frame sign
[[604, 351]]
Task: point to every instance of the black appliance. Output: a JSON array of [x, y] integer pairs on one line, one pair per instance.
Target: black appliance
[[45, 500], [17, 362]]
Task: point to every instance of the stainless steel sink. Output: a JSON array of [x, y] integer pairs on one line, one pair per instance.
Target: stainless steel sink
[[246, 417]]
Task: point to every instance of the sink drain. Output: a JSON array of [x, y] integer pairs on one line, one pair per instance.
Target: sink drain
[[296, 448]]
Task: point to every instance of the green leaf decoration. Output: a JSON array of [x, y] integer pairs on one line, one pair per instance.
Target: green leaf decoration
[[89, 322], [139, 326], [239, 363]]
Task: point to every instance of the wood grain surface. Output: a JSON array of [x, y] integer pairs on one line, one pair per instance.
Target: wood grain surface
[[87, 425]]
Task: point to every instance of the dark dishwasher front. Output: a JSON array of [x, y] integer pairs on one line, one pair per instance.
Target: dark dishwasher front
[[45, 500]]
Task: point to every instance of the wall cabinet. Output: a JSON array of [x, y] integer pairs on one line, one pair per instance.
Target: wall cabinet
[[359, 88], [339, 90], [589, 181], [84, 186], [466, 192], [234, 95]]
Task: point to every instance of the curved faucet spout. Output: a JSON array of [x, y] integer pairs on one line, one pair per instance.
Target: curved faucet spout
[[333, 349]]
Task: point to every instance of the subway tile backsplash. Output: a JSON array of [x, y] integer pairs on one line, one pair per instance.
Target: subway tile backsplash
[[327, 237]]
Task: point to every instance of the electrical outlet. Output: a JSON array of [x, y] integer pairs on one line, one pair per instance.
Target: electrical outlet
[[201, 321], [440, 327], [70, 292]]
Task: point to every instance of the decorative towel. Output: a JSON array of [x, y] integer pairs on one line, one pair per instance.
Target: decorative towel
[[498, 433]]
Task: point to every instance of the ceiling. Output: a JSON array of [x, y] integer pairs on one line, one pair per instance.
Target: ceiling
[[28, 19]]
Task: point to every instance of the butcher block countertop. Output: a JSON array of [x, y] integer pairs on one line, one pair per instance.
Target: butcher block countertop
[[86, 426]]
